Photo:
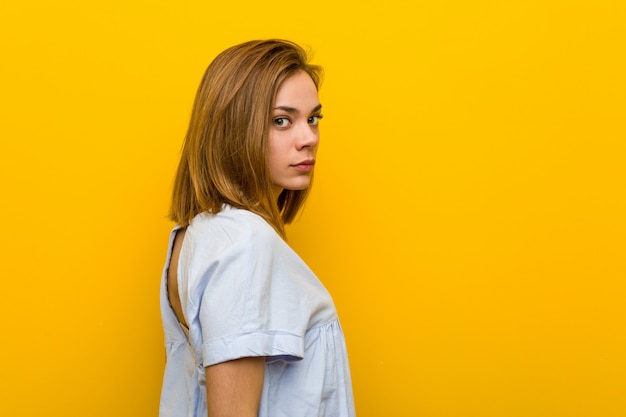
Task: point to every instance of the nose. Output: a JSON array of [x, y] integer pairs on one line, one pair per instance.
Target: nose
[[308, 137]]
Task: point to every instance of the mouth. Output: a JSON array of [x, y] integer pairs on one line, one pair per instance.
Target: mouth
[[304, 166]]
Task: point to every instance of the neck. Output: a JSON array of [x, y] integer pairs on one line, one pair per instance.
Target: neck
[[276, 190]]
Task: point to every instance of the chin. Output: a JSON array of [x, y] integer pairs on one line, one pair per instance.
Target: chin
[[297, 187], [295, 183]]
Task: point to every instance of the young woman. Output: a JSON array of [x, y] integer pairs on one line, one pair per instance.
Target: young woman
[[249, 329]]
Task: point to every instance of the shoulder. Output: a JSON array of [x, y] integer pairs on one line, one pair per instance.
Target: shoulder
[[225, 250], [233, 229]]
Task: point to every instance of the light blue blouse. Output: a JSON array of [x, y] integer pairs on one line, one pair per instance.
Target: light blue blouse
[[245, 292]]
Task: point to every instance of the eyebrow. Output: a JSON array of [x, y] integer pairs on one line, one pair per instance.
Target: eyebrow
[[293, 110]]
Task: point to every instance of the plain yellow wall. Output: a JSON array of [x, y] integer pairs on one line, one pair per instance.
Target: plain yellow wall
[[468, 214]]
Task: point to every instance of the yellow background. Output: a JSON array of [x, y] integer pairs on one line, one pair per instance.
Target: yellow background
[[468, 215]]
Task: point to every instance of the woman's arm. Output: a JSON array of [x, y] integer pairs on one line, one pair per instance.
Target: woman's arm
[[234, 387]]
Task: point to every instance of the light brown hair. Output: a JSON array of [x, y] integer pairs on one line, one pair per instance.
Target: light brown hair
[[225, 155]]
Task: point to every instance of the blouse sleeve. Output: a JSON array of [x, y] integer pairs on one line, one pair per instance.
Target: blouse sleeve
[[246, 295]]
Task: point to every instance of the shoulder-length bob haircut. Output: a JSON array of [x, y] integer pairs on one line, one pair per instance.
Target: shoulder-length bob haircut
[[225, 155]]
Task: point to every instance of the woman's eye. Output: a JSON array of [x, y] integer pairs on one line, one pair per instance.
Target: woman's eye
[[281, 121], [314, 120]]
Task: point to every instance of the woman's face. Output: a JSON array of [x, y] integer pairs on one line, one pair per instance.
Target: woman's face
[[294, 134]]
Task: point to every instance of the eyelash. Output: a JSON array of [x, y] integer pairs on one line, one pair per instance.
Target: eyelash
[[277, 119], [317, 116]]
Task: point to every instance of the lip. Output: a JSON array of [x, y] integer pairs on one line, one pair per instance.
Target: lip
[[304, 166]]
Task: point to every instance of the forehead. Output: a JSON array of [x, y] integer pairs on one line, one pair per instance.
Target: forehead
[[299, 88]]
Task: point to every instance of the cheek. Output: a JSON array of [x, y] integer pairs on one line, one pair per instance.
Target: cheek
[[272, 151], [277, 146], [274, 155]]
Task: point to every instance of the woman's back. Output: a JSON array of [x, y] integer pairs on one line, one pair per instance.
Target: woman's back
[[245, 293]]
